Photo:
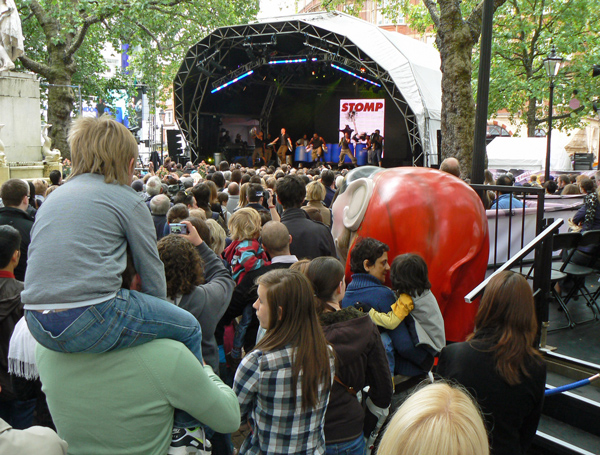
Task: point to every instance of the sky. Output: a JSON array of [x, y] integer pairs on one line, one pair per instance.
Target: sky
[[271, 8]]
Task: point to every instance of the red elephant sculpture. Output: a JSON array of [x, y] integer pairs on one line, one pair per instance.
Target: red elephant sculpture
[[424, 211]]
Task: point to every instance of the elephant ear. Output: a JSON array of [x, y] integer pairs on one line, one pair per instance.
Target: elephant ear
[[358, 194]]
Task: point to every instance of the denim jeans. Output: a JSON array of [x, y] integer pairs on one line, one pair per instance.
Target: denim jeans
[[18, 414], [356, 447], [130, 319], [240, 332], [389, 351]]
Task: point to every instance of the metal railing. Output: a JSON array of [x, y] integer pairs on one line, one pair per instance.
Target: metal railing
[[541, 245]]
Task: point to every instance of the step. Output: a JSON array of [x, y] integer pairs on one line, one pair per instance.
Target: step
[[555, 437]]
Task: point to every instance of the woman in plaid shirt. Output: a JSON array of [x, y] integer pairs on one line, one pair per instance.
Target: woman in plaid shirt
[[283, 384]]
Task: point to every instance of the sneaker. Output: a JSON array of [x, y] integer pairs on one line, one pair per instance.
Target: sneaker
[[189, 441]]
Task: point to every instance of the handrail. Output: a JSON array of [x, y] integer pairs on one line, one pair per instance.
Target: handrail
[[471, 296]]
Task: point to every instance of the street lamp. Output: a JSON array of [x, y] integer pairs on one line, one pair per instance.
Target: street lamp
[[161, 115], [552, 65]]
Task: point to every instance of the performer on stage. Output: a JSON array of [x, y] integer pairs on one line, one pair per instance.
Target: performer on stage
[[285, 146], [345, 144], [259, 148], [376, 149], [318, 147]]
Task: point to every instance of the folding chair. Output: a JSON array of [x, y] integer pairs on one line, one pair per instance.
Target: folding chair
[[579, 273], [566, 242]]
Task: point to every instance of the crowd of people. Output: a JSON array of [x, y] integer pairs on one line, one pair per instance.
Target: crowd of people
[[161, 313]]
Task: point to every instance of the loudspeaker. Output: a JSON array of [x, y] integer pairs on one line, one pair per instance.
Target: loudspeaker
[[174, 143]]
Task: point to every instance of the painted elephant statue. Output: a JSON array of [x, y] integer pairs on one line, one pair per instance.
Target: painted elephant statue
[[424, 211]]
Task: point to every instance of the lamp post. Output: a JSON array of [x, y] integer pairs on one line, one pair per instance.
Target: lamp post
[[552, 65], [161, 115]]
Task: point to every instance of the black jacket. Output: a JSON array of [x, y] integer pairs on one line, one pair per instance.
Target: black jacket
[[360, 361], [511, 413], [11, 310], [23, 223], [310, 239]]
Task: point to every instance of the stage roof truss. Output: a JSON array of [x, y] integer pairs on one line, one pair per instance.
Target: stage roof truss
[[264, 37]]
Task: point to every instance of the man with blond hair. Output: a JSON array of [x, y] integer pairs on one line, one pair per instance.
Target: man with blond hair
[[78, 304]]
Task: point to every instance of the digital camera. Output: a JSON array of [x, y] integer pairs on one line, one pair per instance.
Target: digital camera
[[178, 228]]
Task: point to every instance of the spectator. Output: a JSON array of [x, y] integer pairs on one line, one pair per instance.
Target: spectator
[[310, 239], [551, 187], [437, 419], [103, 153], [500, 366], [361, 363], [185, 198], [273, 399], [121, 386], [563, 180], [203, 194], [217, 237], [55, 178], [570, 190], [153, 187], [415, 323], [32, 441], [451, 166], [198, 282], [369, 266], [327, 179], [40, 190], [159, 206], [15, 196], [244, 254], [315, 195], [276, 242], [505, 200], [234, 196], [16, 413]]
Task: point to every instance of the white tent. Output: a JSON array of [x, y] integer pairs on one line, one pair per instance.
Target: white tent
[[529, 153], [414, 66]]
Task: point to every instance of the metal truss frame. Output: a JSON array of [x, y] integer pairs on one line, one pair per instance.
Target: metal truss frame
[[203, 60]]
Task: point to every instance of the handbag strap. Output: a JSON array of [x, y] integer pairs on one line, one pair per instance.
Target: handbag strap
[[350, 390]]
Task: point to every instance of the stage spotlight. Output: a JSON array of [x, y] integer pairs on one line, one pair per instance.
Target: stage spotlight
[[233, 81], [344, 70]]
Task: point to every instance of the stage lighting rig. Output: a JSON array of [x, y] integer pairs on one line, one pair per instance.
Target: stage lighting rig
[[233, 81], [344, 70]]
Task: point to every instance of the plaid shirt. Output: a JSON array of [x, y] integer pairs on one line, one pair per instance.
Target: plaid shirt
[[263, 384]]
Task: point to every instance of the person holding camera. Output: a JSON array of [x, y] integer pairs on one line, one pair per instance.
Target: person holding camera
[[257, 196]]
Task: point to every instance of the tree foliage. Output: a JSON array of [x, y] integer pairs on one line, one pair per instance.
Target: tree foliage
[[64, 40], [524, 33]]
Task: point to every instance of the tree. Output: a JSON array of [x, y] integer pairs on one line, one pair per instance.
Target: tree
[[524, 32], [457, 25], [64, 40]]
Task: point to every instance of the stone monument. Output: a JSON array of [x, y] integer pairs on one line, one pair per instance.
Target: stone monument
[[11, 35], [21, 152]]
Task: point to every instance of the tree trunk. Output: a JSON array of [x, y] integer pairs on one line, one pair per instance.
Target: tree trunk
[[532, 122], [458, 106], [60, 101]]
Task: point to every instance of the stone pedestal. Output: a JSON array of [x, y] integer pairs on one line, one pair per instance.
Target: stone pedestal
[[20, 112], [22, 131]]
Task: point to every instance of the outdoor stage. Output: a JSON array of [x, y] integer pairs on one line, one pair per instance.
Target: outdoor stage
[[311, 73]]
